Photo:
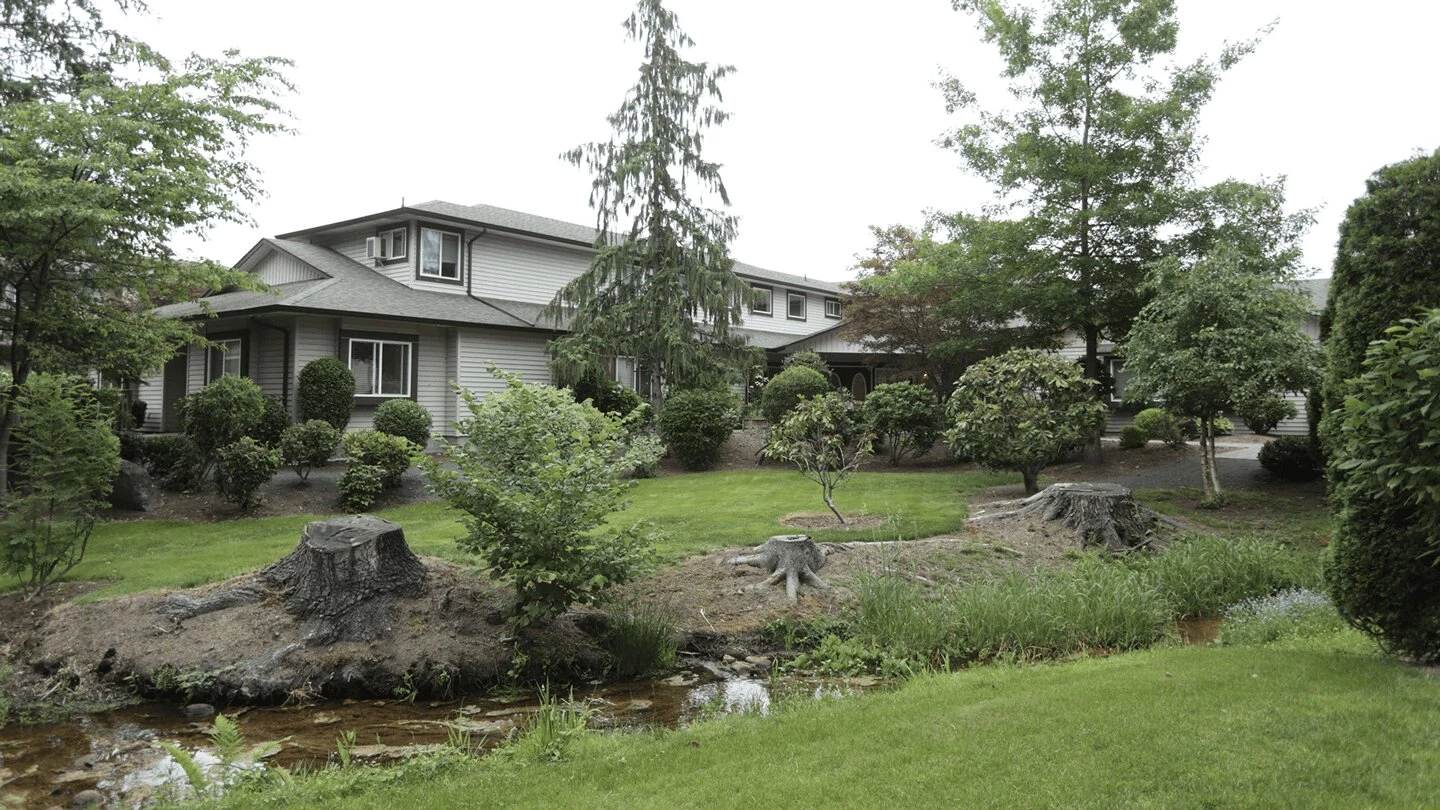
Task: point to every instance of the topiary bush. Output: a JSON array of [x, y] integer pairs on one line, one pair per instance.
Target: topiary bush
[[326, 391], [392, 455], [1292, 458], [1265, 413], [789, 387], [905, 415], [242, 468], [1161, 425], [695, 423], [404, 418], [309, 445], [1133, 438], [273, 421], [360, 485], [220, 414]]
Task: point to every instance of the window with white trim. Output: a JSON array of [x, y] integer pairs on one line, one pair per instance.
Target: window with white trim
[[439, 254], [392, 244], [1119, 378], [225, 359], [761, 299], [795, 306], [381, 367], [832, 307]]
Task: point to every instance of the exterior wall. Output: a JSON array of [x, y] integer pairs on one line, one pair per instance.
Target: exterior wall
[[152, 393], [778, 321], [519, 353], [515, 269], [282, 268]]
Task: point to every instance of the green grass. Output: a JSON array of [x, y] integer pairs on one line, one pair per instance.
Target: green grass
[[1175, 728], [1295, 516]]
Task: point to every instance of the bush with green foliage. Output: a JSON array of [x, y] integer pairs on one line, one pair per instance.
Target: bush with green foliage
[[219, 414], [607, 395], [242, 468], [1023, 410], [1220, 426], [392, 455], [308, 445], [789, 387], [1161, 425], [1292, 458], [1203, 575], [360, 485], [539, 474], [807, 360], [826, 438], [906, 416], [695, 423], [1265, 413], [405, 418], [174, 462], [642, 454], [273, 422], [1133, 438], [65, 457], [1384, 570], [326, 391]]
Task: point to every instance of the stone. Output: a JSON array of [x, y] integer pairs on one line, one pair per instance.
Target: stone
[[134, 490], [199, 710], [87, 798]]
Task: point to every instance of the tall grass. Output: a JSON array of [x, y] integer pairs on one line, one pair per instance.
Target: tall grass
[[1202, 575], [641, 640], [550, 731]]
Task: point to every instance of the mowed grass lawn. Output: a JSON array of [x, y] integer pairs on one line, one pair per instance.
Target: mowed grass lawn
[[697, 512]]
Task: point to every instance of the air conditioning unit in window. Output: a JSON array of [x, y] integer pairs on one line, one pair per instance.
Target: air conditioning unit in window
[[372, 247]]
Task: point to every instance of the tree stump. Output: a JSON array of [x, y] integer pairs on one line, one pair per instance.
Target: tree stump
[[792, 557], [1099, 514], [342, 576]]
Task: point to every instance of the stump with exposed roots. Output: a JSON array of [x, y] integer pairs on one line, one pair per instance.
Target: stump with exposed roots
[[792, 557], [1099, 514]]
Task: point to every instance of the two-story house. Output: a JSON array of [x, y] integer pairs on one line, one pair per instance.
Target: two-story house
[[418, 297]]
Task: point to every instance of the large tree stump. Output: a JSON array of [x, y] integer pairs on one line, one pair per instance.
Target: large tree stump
[[1099, 514], [342, 576], [792, 557]]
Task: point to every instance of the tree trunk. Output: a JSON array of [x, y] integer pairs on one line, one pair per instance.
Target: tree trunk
[[791, 557], [1100, 514]]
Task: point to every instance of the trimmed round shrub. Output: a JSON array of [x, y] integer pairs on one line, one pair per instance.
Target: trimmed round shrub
[[309, 445], [273, 422], [326, 391], [807, 360], [360, 485], [695, 423], [392, 455], [242, 468], [905, 415], [789, 387], [1265, 413], [1160, 425], [404, 418], [1292, 458], [220, 414], [1132, 438]]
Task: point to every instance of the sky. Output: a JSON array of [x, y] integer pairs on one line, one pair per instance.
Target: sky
[[834, 113]]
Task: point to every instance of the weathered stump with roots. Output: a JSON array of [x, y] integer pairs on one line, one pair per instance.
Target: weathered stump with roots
[[792, 557], [1099, 514]]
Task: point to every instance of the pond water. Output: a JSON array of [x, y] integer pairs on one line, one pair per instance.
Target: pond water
[[115, 752]]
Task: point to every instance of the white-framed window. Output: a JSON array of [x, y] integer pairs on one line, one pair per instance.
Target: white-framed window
[[832, 307], [795, 305], [1119, 377], [381, 367], [225, 359], [762, 299], [439, 254], [392, 244]]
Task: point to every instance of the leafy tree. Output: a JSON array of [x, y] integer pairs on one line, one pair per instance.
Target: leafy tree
[[661, 288], [98, 169], [69, 458], [1095, 153], [1022, 411], [539, 474], [825, 437], [906, 415], [1224, 330]]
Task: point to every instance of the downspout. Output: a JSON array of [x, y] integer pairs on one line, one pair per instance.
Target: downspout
[[470, 264], [285, 360]]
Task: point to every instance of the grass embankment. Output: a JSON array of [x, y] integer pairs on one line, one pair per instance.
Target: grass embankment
[[698, 513], [1172, 727]]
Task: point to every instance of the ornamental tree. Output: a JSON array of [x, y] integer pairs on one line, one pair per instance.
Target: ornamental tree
[[826, 438], [1022, 410]]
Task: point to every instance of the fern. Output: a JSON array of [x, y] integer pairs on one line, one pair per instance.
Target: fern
[[194, 774]]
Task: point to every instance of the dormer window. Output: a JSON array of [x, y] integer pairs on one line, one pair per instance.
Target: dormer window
[[795, 306], [439, 255], [392, 244], [832, 307], [761, 297]]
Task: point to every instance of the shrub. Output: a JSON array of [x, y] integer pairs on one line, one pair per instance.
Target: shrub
[[905, 415], [242, 468], [404, 418], [219, 414], [326, 391], [538, 475], [1022, 410], [360, 485], [67, 458], [641, 458], [392, 455], [1133, 437], [789, 387], [1290, 614], [824, 437], [1292, 458], [174, 462], [607, 395], [695, 423], [272, 424], [1265, 413], [1161, 425], [807, 360], [308, 445]]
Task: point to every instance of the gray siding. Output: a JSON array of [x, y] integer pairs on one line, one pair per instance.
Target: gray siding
[[780, 322], [282, 268], [512, 352], [522, 270]]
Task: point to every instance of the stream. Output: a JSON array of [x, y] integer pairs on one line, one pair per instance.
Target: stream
[[115, 752]]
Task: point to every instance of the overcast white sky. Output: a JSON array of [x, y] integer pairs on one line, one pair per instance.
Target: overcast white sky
[[834, 112]]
